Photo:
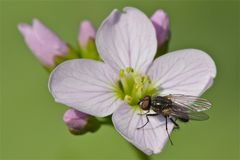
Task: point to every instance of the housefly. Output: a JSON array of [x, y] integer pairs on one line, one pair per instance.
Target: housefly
[[175, 106]]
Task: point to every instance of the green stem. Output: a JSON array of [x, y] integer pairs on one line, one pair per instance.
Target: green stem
[[105, 121]]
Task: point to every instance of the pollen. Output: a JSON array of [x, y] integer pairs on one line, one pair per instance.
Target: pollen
[[133, 86]]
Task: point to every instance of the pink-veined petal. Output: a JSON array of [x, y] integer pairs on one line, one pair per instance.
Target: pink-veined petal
[[127, 39], [188, 71], [85, 85], [150, 139]]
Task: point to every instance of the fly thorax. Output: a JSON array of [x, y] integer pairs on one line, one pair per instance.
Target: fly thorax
[[132, 86]]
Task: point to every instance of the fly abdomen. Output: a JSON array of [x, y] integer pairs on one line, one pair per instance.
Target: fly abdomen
[[184, 119], [166, 112]]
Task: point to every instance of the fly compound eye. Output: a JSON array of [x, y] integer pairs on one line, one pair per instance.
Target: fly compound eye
[[145, 103]]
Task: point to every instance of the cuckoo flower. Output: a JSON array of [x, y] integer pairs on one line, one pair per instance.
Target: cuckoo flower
[[45, 44], [126, 42]]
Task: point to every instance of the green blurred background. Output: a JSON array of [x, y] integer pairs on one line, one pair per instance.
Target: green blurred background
[[31, 122]]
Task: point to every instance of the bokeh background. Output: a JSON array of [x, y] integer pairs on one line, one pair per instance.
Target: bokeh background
[[31, 122]]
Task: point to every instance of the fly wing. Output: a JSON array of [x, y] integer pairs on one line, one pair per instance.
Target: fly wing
[[190, 103], [198, 116], [185, 113]]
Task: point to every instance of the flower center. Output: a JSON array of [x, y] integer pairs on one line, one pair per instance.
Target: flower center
[[132, 87]]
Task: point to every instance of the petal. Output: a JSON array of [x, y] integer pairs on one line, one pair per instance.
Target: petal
[[87, 31], [151, 138], [85, 85], [187, 71], [127, 39]]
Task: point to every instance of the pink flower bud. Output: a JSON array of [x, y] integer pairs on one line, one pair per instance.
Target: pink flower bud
[[45, 44], [87, 32], [160, 21], [76, 120]]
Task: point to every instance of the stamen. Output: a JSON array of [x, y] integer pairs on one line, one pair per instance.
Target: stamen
[[132, 86], [128, 99]]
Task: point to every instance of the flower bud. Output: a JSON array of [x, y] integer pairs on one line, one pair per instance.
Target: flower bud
[[86, 33], [76, 121], [45, 44], [160, 21]]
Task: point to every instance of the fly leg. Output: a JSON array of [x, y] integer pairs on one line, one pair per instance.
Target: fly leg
[[168, 132], [175, 123], [147, 119]]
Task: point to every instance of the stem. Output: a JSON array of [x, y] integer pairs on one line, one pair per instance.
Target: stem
[[105, 121], [140, 154]]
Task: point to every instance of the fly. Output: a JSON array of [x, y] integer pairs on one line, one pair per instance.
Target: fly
[[175, 106]]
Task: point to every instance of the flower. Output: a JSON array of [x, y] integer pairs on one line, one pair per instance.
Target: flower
[[86, 33], [160, 21], [45, 44], [126, 42]]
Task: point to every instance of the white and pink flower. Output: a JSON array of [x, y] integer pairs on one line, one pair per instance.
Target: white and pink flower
[[127, 43]]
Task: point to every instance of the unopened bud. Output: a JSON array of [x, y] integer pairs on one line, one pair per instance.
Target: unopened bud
[[86, 33], [160, 21], [76, 121], [45, 44]]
